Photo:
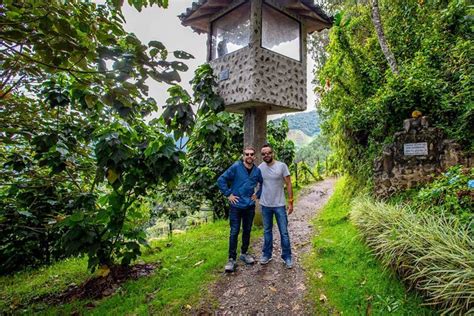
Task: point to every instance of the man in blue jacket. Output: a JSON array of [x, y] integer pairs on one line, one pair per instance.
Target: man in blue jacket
[[243, 177]]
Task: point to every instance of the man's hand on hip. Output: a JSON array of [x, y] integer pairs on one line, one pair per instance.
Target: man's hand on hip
[[233, 199]]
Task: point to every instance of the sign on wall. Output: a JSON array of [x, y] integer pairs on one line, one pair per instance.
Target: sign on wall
[[224, 75], [415, 149]]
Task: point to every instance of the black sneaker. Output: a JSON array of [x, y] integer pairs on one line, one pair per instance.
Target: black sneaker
[[248, 259], [230, 266]]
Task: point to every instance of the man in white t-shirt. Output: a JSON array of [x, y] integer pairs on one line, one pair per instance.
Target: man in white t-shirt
[[275, 175]]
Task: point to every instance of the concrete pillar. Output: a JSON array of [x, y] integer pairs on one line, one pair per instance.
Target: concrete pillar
[[255, 134], [255, 23], [255, 130]]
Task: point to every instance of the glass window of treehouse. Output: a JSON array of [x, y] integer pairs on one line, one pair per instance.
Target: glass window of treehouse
[[231, 31], [280, 33]]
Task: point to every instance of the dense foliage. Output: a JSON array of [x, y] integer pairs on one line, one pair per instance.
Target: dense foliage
[[427, 239], [77, 154], [363, 103], [449, 195], [215, 144]]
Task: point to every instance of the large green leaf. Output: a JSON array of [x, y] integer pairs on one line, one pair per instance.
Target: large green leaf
[[182, 55], [177, 65], [156, 44], [169, 76]]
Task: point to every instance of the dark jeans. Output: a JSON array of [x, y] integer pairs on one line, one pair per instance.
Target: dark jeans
[[237, 216]]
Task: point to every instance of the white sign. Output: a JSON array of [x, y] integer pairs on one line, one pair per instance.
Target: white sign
[[415, 149], [224, 75]]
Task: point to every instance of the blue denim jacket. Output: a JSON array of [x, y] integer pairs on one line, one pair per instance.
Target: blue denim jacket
[[242, 184]]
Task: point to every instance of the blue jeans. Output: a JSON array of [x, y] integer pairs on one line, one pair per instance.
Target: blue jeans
[[237, 216], [282, 222]]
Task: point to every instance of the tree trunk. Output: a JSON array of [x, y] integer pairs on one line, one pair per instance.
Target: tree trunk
[[381, 36]]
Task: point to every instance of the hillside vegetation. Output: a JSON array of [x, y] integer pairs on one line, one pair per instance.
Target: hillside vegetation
[[307, 122], [363, 103], [299, 138], [424, 235], [86, 175]]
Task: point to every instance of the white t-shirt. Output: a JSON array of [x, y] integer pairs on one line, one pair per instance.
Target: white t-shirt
[[273, 194]]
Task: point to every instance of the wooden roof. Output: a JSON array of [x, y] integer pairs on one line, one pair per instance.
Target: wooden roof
[[199, 14]]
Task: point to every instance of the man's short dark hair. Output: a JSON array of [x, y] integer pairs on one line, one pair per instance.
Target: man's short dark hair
[[249, 148], [267, 146]]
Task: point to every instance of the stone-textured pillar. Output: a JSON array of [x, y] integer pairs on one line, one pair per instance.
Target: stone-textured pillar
[[255, 134], [255, 129]]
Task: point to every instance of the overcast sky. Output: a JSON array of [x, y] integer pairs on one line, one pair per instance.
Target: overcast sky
[[164, 25]]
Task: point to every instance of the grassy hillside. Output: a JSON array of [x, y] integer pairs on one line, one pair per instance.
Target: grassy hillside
[[299, 138], [307, 122], [186, 264], [344, 276]]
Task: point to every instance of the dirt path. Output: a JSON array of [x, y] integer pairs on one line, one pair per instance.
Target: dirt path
[[272, 289]]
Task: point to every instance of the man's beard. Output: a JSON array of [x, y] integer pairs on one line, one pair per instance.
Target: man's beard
[[268, 160]]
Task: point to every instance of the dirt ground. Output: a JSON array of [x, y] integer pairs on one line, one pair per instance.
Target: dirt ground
[[273, 289]]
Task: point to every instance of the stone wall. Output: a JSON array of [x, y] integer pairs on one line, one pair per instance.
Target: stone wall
[[417, 155], [279, 80], [237, 88], [259, 77]]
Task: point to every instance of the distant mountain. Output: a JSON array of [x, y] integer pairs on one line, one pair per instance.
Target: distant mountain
[[299, 138], [307, 122]]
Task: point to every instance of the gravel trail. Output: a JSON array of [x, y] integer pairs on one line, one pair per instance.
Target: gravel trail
[[273, 289]]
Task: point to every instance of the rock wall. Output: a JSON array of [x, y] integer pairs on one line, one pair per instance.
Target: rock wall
[[417, 155], [279, 80], [237, 88]]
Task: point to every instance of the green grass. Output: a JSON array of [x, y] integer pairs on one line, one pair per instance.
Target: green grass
[[25, 286], [342, 268], [187, 264]]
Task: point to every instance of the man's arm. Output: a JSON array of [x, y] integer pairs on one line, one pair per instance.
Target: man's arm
[[289, 189], [259, 184], [256, 196], [226, 177]]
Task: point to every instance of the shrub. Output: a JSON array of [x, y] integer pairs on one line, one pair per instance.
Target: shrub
[[433, 254], [449, 194]]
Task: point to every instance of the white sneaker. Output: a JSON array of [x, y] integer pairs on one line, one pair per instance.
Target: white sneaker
[[230, 266]]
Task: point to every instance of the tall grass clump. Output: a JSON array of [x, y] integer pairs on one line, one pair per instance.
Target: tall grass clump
[[433, 254]]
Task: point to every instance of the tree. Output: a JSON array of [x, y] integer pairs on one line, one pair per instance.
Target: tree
[[214, 145], [316, 151], [78, 156], [381, 37]]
